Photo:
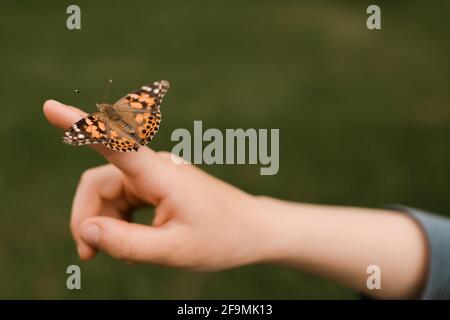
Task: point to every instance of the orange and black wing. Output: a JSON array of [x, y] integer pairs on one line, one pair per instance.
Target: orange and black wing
[[89, 130], [141, 109], [95, 129]]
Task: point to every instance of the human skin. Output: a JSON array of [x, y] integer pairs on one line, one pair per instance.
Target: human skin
[[202, 223]]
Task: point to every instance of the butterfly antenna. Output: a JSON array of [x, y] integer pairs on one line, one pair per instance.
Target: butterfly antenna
[[107, 90]]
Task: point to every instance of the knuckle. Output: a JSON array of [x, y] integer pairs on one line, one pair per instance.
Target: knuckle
[[88, 176], [73, 227], [173, 158]]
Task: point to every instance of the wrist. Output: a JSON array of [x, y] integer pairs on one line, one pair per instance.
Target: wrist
[[277, 230]]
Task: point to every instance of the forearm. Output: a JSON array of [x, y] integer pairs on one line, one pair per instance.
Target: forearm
[[339, 243]]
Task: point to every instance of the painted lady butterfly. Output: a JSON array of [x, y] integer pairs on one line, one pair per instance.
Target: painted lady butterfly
[[125, 126]]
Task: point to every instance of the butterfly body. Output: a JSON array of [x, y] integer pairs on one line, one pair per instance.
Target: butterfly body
[[108, 110], [125, 126], [119, 118]]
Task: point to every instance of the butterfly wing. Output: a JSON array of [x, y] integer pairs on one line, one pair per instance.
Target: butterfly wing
[[95, 129], [119, 140], [141, 109], [139, 121], [89, 130]]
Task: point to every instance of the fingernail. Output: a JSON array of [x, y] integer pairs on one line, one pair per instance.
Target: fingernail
[[91, 233]]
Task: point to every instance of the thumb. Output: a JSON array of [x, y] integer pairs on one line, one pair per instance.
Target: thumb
[[128, 241]]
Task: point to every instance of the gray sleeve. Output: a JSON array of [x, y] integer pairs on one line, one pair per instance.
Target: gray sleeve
[[437, 231]]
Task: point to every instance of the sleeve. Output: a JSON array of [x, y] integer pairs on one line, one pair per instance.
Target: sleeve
[[437, 231]]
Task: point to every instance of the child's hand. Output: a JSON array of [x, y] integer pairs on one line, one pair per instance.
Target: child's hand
[[203, 223], [200, 223]]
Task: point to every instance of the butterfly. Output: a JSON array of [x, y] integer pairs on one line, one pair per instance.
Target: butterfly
[[125, 126]]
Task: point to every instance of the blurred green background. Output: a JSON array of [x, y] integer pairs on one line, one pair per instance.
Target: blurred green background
[[364, 120]]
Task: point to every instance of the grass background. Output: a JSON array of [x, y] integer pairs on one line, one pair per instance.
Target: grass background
[[364, 120]]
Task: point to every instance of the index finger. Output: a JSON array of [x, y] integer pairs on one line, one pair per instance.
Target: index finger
[[131, 163]]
